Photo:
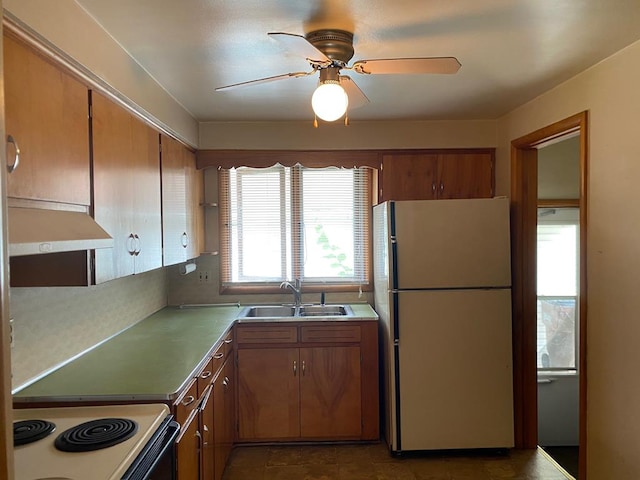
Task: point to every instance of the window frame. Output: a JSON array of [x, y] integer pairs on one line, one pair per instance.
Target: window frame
[[226, 287]]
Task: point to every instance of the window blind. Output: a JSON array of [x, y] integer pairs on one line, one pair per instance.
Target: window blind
[[282, 223]]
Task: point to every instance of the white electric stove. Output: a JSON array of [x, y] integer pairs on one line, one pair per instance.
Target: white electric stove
[[80, 443]]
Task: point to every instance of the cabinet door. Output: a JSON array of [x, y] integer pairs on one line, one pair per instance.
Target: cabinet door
[[188, 449], [207, 424], [113, 184], [465, 175], [147, 214], [174, 202], [224, 401], [409, 176], [268, 393], [195, 211], [126, 178], [46, 111], [330, 392]]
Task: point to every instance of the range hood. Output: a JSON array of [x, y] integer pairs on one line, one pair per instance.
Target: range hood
[[35, 231]]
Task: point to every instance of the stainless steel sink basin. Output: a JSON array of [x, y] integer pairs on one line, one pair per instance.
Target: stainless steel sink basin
[[323, 310], [291, 313], [271, 311]]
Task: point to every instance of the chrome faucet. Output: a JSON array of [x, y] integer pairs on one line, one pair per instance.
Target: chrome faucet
[[296, 289]]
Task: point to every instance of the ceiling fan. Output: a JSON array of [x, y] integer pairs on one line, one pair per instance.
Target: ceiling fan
[[328, 51]]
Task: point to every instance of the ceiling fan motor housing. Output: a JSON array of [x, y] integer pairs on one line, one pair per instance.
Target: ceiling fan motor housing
[[335, 44]]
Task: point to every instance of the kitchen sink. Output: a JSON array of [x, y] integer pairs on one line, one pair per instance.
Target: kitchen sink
[[323, 310], [291, 312], [270, 311]]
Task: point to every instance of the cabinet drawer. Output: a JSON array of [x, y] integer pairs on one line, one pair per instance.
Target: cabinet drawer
[[228, 344], [186, 403], [330, 334], [267, 334], [218, 358], [205, 377]]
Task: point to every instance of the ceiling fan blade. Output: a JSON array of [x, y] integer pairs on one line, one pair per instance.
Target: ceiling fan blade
[[357, 98], [408, 65], [300, 46], [265, 80]]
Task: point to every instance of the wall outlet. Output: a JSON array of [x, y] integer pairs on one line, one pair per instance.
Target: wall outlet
[[11, 334]]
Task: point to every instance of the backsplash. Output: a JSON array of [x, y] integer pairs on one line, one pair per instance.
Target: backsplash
[[53, 325], [190, 289]]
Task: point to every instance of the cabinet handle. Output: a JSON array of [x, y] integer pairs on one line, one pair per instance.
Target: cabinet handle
[[185, 239], [188, 400], [205, 443], [228, 340], [206, 374], [218, 356], [138, 242], [225, 382], [198, 436], [441, 187], [303, 368], [16, 158], [295, 368], [433, 187], [131, 244]]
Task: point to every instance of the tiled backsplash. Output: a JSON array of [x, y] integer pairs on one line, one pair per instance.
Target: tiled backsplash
[[53, 325], [191, 289]]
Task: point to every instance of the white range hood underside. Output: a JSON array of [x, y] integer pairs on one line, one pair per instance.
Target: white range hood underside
[[35, 231]]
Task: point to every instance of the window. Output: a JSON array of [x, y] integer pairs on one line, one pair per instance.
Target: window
[[282, 223], [558, 273]]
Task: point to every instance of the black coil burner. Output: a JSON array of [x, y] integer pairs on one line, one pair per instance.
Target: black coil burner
[[96, 434], [28, 431]]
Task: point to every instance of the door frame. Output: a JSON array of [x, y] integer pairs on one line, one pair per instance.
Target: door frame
[[524, 203]]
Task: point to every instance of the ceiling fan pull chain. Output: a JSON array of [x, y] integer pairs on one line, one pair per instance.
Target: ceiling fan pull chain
[[315, 121]]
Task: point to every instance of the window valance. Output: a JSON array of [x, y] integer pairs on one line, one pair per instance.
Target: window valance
[[288, 158]]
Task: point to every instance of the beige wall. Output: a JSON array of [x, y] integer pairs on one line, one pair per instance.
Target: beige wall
[[71, 29], [609, 91]]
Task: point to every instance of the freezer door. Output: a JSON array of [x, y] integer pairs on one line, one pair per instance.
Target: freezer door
[[452, 243], [455, 370]]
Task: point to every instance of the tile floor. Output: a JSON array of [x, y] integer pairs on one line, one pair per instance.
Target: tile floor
[[373, 462]]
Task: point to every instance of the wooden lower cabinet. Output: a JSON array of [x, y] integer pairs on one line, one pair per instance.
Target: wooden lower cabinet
[[224, 417], [268, 394], [330, 403], [206, 413], [327, 391], [188, 449]]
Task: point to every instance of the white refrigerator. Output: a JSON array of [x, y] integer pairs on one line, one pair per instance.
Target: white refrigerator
[[443, 293]]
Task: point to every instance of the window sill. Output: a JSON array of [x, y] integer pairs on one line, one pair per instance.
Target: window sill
[[306, 288]]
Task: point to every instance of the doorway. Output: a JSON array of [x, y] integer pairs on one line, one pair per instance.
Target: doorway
[[525, 205]]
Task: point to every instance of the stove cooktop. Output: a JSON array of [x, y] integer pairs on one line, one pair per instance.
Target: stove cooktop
[[56, 438]]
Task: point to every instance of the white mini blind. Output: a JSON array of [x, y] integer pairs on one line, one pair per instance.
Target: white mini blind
[[282, 223]]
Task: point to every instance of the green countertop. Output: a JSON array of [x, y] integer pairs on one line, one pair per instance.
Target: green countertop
[[151, 361]]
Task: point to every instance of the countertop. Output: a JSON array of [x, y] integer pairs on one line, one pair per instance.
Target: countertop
[[151, 361]]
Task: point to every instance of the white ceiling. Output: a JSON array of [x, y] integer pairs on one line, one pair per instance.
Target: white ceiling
[[510, 50]]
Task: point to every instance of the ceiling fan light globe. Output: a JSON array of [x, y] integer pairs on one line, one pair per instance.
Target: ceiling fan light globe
[[329, 101]]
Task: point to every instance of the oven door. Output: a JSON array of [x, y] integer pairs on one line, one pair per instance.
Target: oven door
[[157, 461]]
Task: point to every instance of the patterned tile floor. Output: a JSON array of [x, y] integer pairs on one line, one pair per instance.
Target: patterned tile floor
[[373, 462]]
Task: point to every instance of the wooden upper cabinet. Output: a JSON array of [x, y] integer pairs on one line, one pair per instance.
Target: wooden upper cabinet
[[409, 176], [465, 175], [126, 178], [46, 112], [430, 176], [182, 193]]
